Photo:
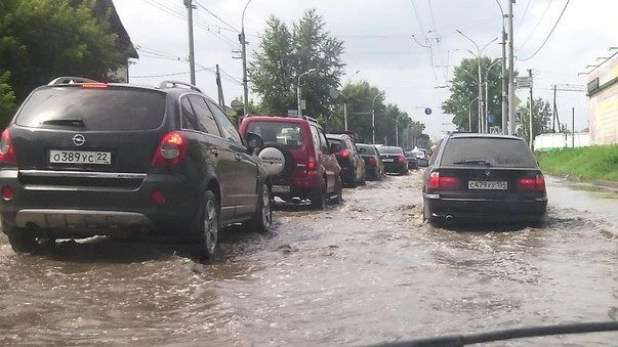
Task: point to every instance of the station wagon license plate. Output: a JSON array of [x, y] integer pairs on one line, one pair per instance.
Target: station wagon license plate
[[388, 160], [280, 189], [488, 185], [80, 157]]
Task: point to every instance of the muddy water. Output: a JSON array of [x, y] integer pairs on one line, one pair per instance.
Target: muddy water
[[365, 272]]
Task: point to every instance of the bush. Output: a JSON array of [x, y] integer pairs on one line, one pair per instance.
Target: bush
[[588, 163], [7, 99]]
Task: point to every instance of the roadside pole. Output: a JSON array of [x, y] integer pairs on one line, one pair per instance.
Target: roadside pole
[[511, 72], [189, 5], [573, 127], [505, 96], [531, 115], [345, 116]]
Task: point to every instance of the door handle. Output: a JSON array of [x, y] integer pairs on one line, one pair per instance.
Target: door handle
[[214, 151], [238, 156]]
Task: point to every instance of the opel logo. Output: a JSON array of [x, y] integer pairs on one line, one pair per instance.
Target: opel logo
[[487, 173], [79, 140]]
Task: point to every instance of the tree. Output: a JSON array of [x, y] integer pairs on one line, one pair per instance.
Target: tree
[[464, 90], [286, 54], [540, 120], [7, 98], [44, 39]]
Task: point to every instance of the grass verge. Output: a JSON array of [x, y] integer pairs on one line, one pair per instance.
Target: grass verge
[[586, 163]]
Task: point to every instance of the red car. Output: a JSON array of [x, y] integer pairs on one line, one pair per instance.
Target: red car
[[298, 158]]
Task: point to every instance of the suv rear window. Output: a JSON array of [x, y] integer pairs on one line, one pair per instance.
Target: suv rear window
[[286, 133], [368, 149], [93, 109], [498, 151], [390, 150], [336, 144]]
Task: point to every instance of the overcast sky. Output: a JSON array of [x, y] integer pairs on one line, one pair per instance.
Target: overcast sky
[[378, 42]]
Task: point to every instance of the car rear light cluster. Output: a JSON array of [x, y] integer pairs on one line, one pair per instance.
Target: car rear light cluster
[[172, 150], [7, 193], [373, 161], [344, 153], [438, 182], [7, 150], [158, 197], [532, 184], [401, 159], [312, 165]]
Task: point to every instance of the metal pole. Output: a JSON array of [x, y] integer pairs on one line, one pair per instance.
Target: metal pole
[[480, 104], [486, 123], [298, 97], [511, 72], [243, 42], [573, 127], [373, 118], [396, 132], [345, 116], [554, 113], [470, 114], [189, 5], [531, 115]]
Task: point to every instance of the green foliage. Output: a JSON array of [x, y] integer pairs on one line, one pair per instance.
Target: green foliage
[[44, 39], [540, 121], [464, 90], [285, 54], [588, 163], [7, 99]]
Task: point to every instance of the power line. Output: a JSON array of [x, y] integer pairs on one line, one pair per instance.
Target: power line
[[217, 17], [172, 74], [521, 22], [537, 25], [550, 33]]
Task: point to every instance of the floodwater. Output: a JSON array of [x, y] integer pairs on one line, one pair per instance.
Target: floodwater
[[365, 272]]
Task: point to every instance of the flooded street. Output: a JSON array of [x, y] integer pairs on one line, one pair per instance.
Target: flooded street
[[365, 272]]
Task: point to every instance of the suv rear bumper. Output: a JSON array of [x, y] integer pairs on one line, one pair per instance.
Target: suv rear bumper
[[302, 186], [484, 210], [88, 211]]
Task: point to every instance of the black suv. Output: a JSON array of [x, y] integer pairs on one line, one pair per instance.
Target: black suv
[[82, 158], [482, 177]]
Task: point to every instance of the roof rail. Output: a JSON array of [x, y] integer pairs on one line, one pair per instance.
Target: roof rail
[[175, 84], [311, 119], [70, 80]]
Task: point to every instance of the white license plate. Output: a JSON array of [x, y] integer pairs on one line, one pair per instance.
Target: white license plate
[[488, 185], [80, 157], [388, 160], [281, 189]]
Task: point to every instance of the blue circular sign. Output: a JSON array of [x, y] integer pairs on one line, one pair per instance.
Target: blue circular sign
[[428, 111], [491, 118]]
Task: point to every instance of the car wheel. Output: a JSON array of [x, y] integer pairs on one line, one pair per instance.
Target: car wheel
[[320, 198], [208, 226], [339, 191], [22, 240], [353, 181], [263, 218]]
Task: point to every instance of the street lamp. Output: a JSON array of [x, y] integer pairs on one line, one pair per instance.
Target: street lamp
[[405, 115], [243, 42], [345, 104], [478, 60], [300, 111], [486, 120], [470, 114], [373, 117]]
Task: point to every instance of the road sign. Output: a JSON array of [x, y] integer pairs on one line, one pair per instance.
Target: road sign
[[427, 111], [523, 82], [237, 105], [303, 104], [292, 113], [491, 118]]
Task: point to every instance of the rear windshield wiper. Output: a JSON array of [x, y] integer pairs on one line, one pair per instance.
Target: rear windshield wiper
[[66, 122], [473, 161]]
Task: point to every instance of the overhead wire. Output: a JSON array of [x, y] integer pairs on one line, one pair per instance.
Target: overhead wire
[[171, 74], [536, 26], [217, 17], [523, 16], [428, 43], [550, 33]]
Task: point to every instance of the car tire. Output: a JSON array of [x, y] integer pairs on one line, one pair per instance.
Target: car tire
[[263, 219], [208, 226], [339, 191], [319, 200], [353, 181], [288, 165], [22, 241]]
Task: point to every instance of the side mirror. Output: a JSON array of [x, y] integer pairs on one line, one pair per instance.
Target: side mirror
[[254, 141]]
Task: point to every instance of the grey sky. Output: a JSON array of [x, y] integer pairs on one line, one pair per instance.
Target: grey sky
[[378, 41]]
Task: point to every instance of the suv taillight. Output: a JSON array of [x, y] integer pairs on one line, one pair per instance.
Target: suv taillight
[[172, 150], [442, 182], [401, 159], [312, 165], [345, 154], [373, 161], [536, 184], [7, 150]]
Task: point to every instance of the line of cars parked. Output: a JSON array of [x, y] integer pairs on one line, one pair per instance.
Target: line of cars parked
[[82, 158]]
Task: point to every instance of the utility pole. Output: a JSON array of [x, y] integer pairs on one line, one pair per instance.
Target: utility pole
[[511, 72], [480, 103], [243, 42], [219, 87], [189, 5], [553, 127], [573, 127], [531, 115], [505, 97], [345, 116]]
